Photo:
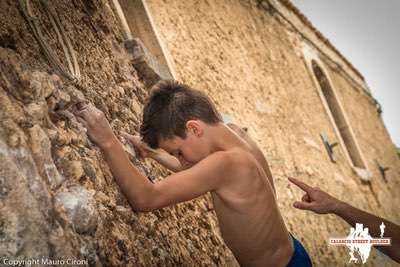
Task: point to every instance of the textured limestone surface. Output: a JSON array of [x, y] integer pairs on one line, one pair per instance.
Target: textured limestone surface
[[250, 61], [58, 199]]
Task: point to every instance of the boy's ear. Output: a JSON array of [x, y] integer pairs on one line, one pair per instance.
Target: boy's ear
[[194, 127]]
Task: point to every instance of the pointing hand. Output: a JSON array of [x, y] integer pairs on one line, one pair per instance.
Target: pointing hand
[[315, 199]]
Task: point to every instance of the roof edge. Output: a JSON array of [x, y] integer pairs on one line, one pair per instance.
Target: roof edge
[[290, 6]]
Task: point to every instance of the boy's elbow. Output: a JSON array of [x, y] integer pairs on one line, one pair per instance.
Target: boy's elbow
[[142, 205], [150, 199], [144, 208], [143, 202]]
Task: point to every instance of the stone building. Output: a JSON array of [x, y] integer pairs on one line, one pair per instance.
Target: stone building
[[262, 62]]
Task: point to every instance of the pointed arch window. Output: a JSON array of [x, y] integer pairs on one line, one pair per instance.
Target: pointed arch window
[[338, 116]]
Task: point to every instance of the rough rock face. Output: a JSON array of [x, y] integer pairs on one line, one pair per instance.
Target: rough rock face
[[78, 204], [58, 199]]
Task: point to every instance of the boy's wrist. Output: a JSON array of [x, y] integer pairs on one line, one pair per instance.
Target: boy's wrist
[[151, 154]]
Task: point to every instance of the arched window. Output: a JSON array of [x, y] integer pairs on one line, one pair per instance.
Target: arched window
[[338, 116]]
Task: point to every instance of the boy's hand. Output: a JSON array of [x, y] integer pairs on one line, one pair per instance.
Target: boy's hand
[[98, 128], [315, 199], [142, 149]]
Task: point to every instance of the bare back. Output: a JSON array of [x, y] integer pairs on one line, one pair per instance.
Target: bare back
[[249, 217], [251, 146]]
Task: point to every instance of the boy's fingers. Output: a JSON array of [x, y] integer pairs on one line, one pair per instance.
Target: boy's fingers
[[300, 184], [302, 205], [125, 135], [81, 112], [77, 110], [81, 105], [138, 143], [84, 115], [88, 114], [82, 121], [130, 138]]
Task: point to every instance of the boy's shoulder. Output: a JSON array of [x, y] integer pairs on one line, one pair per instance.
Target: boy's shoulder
[[234, 159]]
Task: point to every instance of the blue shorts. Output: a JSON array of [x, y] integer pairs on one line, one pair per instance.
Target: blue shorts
[[300, 256]]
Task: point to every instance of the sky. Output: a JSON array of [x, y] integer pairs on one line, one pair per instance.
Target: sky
[[367, 33]]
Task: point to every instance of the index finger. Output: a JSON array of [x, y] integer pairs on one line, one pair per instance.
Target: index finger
[[125, 134], [300, 184], [81, 104], [88, 114]]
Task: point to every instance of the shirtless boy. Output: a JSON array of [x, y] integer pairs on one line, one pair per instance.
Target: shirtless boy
[[182, 130]]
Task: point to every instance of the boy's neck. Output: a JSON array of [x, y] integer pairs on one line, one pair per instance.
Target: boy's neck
[[223, 138]]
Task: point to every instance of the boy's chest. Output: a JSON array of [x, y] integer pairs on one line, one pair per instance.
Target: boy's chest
[[242, 225], [232, 211]]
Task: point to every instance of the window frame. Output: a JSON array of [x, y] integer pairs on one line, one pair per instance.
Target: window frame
[[311, 55]]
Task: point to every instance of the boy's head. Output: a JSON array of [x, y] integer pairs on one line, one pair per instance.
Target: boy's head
[[175, 118]]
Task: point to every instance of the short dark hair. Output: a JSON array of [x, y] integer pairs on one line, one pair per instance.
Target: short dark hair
[[170, 105]]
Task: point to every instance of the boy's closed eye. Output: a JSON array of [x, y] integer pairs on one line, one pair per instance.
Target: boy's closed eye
[[177, 154], [174, 153]]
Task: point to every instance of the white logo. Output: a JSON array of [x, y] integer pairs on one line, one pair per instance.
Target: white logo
[[360, 241], [382, 227]]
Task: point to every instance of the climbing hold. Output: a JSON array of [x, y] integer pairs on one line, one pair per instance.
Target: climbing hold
[[79, 208], [41, 150]]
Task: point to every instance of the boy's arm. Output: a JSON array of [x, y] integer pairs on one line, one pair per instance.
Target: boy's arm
[[133, 184], [168, 161], [321, 202], [205, 176], [159, 155]]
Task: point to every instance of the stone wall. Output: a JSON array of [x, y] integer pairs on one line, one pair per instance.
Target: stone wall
[[250, 61], [58, 199]]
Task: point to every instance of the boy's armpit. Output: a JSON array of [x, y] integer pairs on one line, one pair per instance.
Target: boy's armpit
[[207, 175]]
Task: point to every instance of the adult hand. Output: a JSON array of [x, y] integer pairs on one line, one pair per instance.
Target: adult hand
[[142, 149], [315, 199], [98, 128]]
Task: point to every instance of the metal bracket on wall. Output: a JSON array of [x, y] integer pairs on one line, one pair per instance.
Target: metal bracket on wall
[[147, 66], [382, 170], [329, 147]]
